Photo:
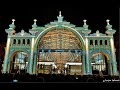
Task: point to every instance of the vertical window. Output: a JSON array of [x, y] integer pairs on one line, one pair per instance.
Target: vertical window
[[14, 41], [91, 42], [23, 41], [105, 42], [28, 41], [100, 42], [96, 42], [19, 41]]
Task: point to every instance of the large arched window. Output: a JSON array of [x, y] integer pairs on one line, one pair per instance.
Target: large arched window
[[19, 62], [99, 63], [65, 49]]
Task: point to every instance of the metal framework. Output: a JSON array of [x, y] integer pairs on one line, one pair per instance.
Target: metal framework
[[60, 47]]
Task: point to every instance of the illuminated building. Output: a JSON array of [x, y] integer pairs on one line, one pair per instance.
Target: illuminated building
[[60, 47]]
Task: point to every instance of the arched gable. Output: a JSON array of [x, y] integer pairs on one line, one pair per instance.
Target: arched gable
[[67, 28]]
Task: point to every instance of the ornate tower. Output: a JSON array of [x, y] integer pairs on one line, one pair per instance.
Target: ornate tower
[[10, 32]]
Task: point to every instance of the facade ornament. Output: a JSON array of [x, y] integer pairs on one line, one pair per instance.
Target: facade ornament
[[108, 27], [35, 20], [34, 26], [97, 33], [12, 26], [60, 14], [84, 21], [13, 20], [60, 17], [108, 21], [22, 32], [85, 25]]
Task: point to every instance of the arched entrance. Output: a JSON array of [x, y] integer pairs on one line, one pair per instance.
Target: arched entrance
[[100, 64], [59, 52], [19, 62]]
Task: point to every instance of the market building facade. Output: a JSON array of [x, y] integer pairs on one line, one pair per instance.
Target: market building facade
[[60, 47]]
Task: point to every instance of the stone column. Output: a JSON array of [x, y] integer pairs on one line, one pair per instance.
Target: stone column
[[35, 63], [31, 57], [28, 63], [6, 55], [110, 71], [88, 64], [8, 65], [25, 41], [98, 42], [33, 31], [114, 63], [16, 41], [83, 63], [86, 31]]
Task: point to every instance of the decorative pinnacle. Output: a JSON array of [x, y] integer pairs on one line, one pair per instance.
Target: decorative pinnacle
[[35, 20], [60, 14], [34, 25], [13, 20], [12, 26], [60, 17], [107, 21], [84, 21], [85, 25], [22, 32], [97, 32], [109, 27]]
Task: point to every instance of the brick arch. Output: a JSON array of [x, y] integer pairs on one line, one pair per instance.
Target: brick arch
[[15, 51], [103, 52]]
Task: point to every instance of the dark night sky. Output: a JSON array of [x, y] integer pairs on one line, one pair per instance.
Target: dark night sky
[[96, 12]]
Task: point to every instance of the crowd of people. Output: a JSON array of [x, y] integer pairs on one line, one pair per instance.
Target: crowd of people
[[25, 77]]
